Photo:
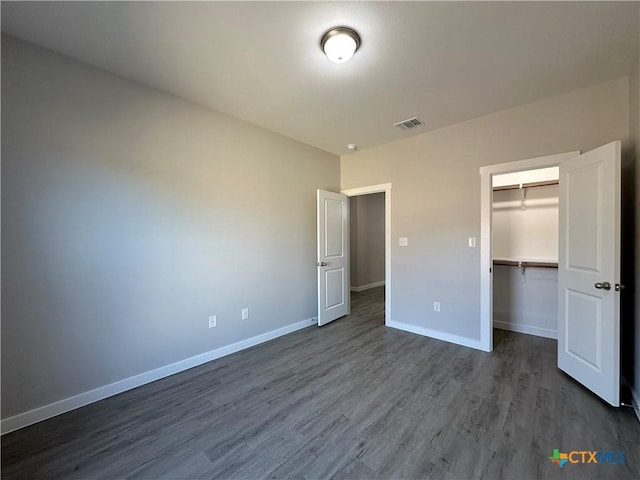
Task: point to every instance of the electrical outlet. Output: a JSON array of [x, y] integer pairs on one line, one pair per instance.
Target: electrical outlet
[[403, 241], [436, 306], [212, 321], [245, 313]]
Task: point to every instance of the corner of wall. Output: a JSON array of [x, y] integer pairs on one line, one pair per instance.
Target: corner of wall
[[630, 328]]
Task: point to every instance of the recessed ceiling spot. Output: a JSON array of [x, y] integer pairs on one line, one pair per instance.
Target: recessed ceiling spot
[[352, 146], [409, 123]]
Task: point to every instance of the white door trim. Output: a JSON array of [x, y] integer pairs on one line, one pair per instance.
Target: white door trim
[[486, 203], [386, 189]]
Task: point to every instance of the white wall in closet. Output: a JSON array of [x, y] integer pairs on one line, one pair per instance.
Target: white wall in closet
[[516, 178], [529, 233], [525, 221], [525, 228]]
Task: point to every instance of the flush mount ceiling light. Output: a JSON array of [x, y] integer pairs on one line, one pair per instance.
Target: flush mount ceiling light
[[340, 43]]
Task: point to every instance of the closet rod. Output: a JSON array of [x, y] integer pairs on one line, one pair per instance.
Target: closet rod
[[517, 263], [526, 185]]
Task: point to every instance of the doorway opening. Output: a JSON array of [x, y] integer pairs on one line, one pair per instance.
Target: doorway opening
[[486, 232], [370, 241], [525, 208], [367, 256]]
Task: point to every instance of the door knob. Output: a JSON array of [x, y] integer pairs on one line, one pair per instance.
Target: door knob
[[321, 264], [603, 286]]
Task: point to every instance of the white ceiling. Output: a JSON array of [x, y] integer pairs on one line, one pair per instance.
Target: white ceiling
[[261, 61]]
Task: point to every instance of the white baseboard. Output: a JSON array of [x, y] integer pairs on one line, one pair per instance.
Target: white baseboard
[[62, 406], [427, 332], [635, 401], [362, 288], [537, 331]]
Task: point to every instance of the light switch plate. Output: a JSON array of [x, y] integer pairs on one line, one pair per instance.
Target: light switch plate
[[472, 242], [403, 242]]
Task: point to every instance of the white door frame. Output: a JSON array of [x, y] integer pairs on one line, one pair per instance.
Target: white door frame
[[486, 245], [386, 189]]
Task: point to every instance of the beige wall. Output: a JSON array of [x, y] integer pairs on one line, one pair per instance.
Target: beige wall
[[436, 193], [367, 239], [130, 216]]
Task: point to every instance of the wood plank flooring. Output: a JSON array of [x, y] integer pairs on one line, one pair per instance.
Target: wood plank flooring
[[353, 400]]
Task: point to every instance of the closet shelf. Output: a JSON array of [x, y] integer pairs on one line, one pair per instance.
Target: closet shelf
[[519, 263], [526, 185]]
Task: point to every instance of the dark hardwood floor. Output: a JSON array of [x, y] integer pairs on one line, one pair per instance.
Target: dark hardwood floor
[[352, 399]]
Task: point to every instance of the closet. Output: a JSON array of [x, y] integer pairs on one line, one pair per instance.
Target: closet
[[525, 251]]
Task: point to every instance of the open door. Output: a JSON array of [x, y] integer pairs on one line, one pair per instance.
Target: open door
[[589, 271], [333, 257]]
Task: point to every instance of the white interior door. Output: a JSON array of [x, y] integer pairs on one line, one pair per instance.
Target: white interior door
[[589, 270], [333, 256]]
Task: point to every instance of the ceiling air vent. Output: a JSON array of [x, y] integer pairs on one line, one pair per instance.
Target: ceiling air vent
[[408, 124]]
